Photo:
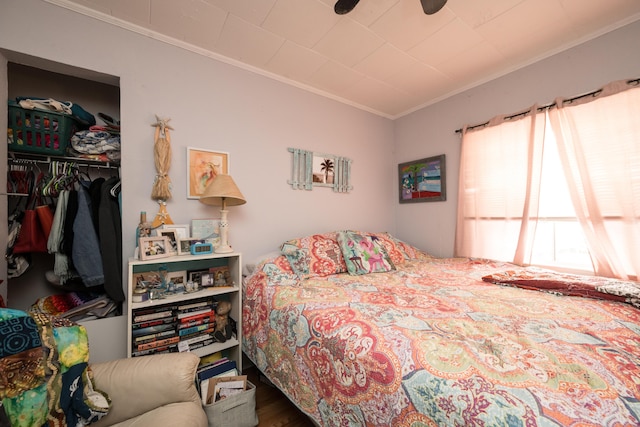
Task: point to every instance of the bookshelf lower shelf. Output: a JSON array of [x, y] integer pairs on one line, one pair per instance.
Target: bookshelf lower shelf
[[216, 347]]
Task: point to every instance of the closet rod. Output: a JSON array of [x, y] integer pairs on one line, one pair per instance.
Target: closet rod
[[44, 159], [634, 82]]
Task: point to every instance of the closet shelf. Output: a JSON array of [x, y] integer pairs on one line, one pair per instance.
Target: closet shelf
[[31, 158]]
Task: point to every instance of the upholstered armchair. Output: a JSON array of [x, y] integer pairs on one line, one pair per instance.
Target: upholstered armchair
[[156, 390]]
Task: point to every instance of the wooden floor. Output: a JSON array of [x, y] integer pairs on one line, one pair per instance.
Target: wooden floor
[[273, 407]]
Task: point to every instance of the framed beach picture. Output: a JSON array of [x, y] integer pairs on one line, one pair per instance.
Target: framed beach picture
[[422, 180], [202, 167]]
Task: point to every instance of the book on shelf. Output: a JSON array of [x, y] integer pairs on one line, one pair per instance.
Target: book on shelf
[[154, 337], [208, 318], [206, 328], [157, 343], [157, 350], [162, 314], [196, 305], [197, 338], [152, 329], [211, 359], [215, 370], [190, 314], [201, 344], [150, 323]]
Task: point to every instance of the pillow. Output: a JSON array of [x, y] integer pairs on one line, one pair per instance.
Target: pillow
[[409, 251], [251, 266], [314, 255], [394, 250], [363, 253]]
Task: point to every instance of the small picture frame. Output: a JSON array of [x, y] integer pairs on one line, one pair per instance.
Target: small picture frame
[[207, 280], [170, 234], [154, 247], [195, 276], [221, 276], [207, 229], [179, 279], [184, 245], [182, 230]]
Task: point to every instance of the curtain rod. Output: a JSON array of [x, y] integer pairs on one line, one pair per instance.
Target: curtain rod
[[634, 82]]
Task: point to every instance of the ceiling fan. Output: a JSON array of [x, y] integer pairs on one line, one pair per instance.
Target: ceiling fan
[[429, 6]]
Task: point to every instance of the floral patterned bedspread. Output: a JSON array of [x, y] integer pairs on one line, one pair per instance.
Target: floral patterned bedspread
[[432, 344]]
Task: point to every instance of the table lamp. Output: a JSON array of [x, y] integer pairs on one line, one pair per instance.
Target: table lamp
[[222, 192]]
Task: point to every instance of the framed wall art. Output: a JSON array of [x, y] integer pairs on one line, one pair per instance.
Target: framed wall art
[[422, 180], [311, 169], [202, 167]]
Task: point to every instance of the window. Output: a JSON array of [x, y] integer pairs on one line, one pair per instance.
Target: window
[[556, 187], [559, 240]]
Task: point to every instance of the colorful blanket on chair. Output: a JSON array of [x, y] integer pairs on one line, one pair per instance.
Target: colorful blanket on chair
[[44, 375]]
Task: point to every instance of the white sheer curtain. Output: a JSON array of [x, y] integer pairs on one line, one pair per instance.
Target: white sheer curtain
[[598, 146], [499, 186], [598, 141]]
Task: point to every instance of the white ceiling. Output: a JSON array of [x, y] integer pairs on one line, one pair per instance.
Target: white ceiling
[[385, 56]]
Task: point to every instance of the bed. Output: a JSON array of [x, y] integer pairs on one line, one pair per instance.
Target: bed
[[414, 340]]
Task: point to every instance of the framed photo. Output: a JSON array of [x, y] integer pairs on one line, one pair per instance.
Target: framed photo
[[196, 276], [202, 167], [207, 280], [184, 245], [221, 276], [182, 230], [179, 279], [154, 247], [207, 229], [171, 235], [422, 180]]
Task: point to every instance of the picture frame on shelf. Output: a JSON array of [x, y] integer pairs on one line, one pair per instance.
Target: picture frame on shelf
[[207, 280], [179, 279], [184, 245], [182, 230], [202, 167], [195, 276], [206, 229], [170, 234], [154, 247], [222, 276]]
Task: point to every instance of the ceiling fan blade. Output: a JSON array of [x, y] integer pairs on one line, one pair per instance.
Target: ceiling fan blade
[[344, 6], [432, 6]]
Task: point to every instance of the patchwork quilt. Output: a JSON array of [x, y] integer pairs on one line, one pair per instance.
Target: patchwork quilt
[[433, 344], [44, 375]]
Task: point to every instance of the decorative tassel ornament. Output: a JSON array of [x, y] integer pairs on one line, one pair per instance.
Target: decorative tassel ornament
[[161, 191]]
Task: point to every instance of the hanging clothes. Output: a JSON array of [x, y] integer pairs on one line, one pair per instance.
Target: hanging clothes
[[110, 233], [85, 253]]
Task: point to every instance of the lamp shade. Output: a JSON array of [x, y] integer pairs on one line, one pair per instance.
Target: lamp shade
[[222, 191]]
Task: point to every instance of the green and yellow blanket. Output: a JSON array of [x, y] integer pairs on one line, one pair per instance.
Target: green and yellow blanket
[[45, 379]]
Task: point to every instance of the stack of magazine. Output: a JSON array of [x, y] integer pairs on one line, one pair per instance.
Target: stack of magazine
[[219, 379]]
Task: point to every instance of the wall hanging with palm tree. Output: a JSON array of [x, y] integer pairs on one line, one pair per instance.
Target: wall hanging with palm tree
[[311, 169]]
